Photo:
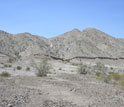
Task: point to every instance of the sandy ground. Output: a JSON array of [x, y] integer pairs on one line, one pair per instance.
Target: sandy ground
[[63, 87], [62, 90]]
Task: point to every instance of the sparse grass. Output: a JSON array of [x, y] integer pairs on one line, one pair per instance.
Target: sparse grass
[[113, 78], [121, 83], [5, 74], [100, 77], [19, 67], [116, 76]]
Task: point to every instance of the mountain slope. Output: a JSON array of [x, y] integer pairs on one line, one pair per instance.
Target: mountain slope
[[89, 42], [11, 44]]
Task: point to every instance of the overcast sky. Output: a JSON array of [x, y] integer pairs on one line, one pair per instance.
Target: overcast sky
[[50, 18]]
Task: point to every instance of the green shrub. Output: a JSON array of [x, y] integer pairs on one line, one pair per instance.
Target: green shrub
[[83, 69], [5, 74], [111, 68], [19, 67]]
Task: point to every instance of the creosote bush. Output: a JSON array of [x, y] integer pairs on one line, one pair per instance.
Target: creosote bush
[[82, 69], [19, 67], [27, 69], [99, 67], [5, 74], [6, 65], [43, 68]]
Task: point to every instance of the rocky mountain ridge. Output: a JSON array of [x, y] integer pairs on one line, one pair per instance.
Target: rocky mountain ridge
[[89, 43]]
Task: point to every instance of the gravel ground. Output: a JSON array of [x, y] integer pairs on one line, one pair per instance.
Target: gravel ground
[[62, 90]]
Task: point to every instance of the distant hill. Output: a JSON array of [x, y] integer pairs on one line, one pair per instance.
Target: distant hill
[[89, 42]]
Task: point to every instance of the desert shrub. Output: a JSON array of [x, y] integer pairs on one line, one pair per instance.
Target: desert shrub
[[75, 64], [107, 78], [100, 77], [11, 59], [43, 68], [6, 65], [83, 69], [60, 68], [27, 69], [19, 67], [116, 76], [17, 55], [98, 73], [111, 68], [121, 83], [99, 67], [5, 74]]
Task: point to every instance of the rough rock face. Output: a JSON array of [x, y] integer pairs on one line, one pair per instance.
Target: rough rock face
[[90, 42], [11, 44]]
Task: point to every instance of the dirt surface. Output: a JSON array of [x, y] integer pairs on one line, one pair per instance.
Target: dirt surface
[[62, 90]]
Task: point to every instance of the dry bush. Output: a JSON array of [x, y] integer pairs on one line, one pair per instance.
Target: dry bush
[[99, 67], [83, 69], [43, 68]]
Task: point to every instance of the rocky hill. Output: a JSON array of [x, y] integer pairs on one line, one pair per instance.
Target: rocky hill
[[89, 42], [23, 43]]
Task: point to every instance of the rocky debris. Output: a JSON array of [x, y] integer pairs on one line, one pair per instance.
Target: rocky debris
[[49, 103], [62, 90]]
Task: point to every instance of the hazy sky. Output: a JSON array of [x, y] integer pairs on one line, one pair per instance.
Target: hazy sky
[[53, 17]]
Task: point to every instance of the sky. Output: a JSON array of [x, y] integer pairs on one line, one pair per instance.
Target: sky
[[51, 18]]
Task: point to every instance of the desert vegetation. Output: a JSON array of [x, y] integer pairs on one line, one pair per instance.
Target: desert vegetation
[[83, 69], [43, 68], [19, 67], [5, 74], [112, 78], [28, 69]]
